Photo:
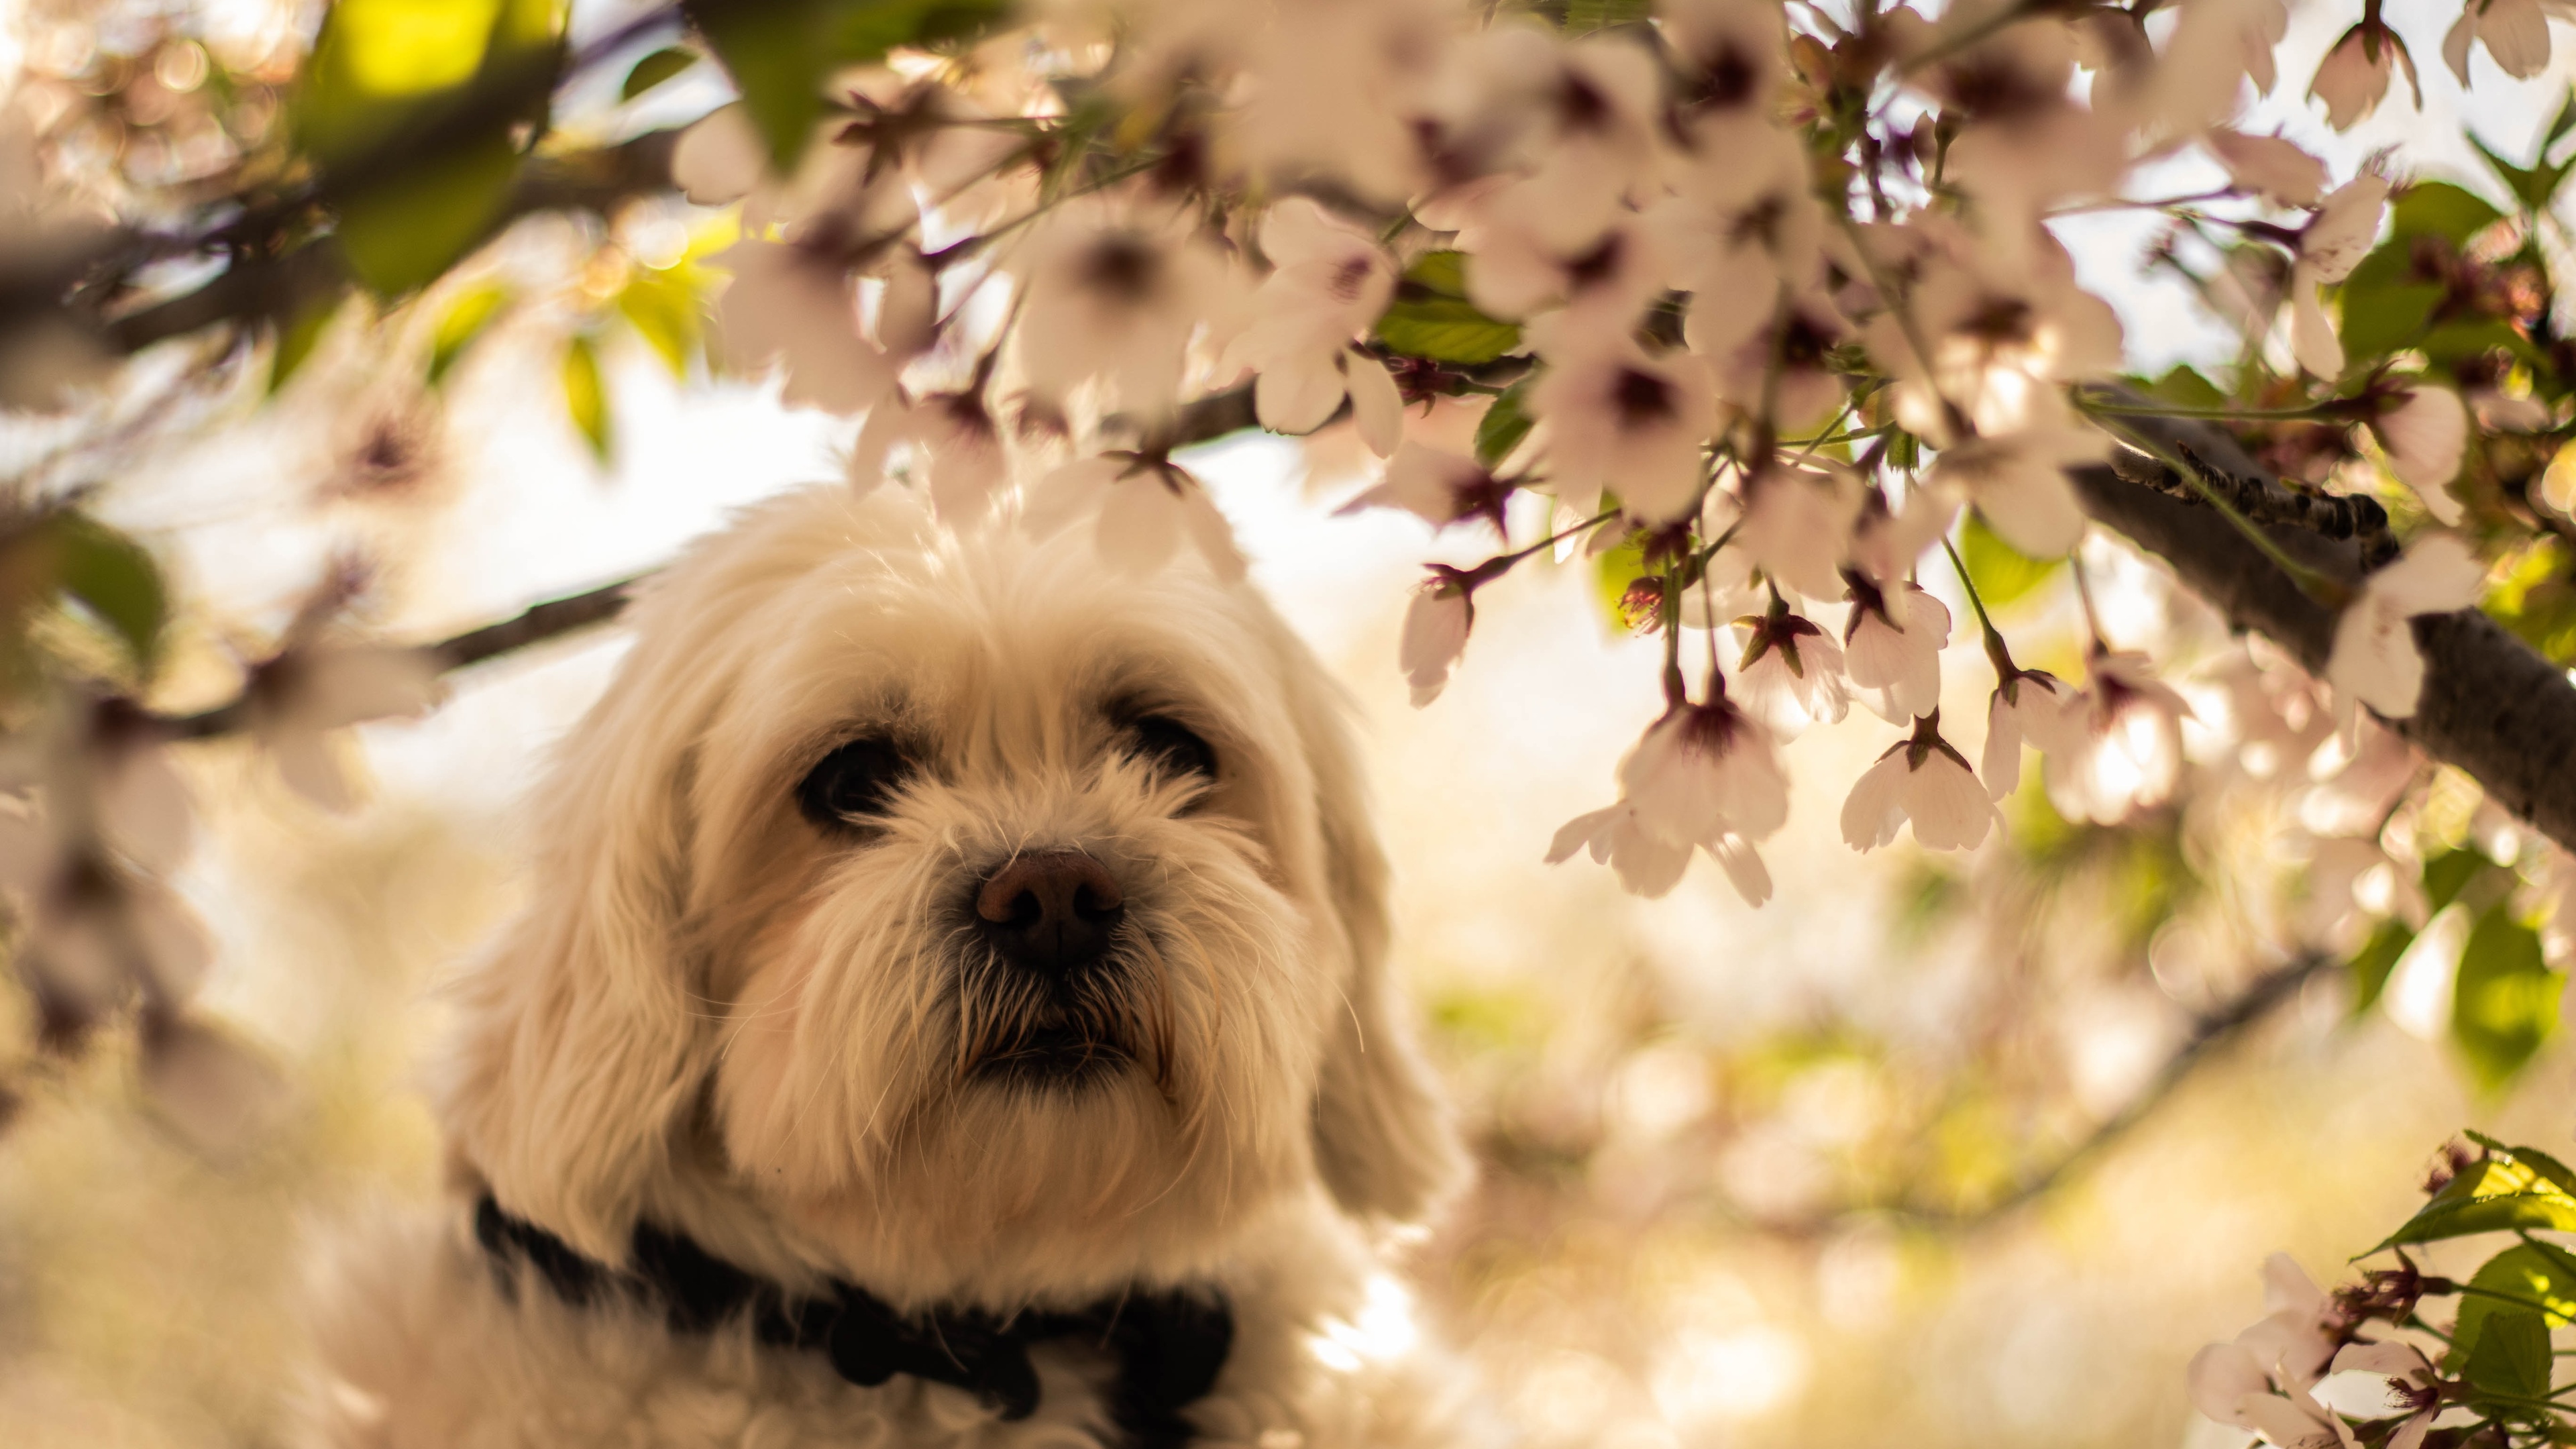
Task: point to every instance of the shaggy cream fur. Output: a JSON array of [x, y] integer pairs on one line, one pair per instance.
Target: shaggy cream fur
[[725, 1018]]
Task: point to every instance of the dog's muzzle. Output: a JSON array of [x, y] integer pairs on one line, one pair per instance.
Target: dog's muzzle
[[1050, 998]]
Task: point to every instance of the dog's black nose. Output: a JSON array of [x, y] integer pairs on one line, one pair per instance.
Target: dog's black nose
[[1050, 910]]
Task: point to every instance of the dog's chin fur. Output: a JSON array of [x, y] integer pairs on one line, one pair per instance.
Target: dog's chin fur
[[786, 1038]]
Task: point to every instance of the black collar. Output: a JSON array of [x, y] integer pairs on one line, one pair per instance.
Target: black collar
[[1169, 1345]]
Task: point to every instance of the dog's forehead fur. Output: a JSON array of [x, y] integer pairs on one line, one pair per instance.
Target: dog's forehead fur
[[994, 654]]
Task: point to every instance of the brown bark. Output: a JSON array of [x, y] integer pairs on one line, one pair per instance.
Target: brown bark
[[2491, 705]]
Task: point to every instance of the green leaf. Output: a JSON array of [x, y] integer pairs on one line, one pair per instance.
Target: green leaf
[[585, 396], [378, 65], [296, 339], [2448, 874], [780, 52], [2534, 1277], [1582, 17], [2511, 1356], [442, 82], [1614, 572], [1446, 329], [1432, 317], [656, 68], [2439, 208], [662, 306], [2375, 960], [462, 322], [2532, 185], [2183, 386], [1503, 426], [2504, 1005], [113, 577], [402, 234], [2496, 1194], [2549, 1168], [1443, 273], [2002, 574], [2468, 337], [2377, 320]]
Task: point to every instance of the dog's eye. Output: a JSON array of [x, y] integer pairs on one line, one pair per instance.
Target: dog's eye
[[1173, 747], [852, 782]]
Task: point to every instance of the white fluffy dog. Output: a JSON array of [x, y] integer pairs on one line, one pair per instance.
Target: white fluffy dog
[[952, 1009]]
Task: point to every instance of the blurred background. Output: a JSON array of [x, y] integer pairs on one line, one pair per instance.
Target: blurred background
[[1968, 1150]]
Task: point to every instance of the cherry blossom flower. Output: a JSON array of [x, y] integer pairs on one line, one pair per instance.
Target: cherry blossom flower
[[955, 443], [2353, 78], [1743, 223], [1892, 645], [1616, 417], [1338, 92], [2229, 1385], [2004, 333], [1330, 281], [1782, 369], [1585, 116], [1603, 281], [2515, 33], [1925, 781], [1651, 866], [1648, 865], [2025, 142], [1797, 526], [210, 1087], [793, 304], [2265, 1380], [1886, 544], [1704, 770], [2374, 658], [2330, 246], [2018, 482], [2268, 164], [2028, 705], [97, 932], [1439, 487], [2216, 45], [2498, 411], [299, 697], [1140, 506], [2423, 437], [2122, 747], [1436, 624], [1791, 674], [2406, 1387], [1114, 294], [720, 158], [1731, 56]]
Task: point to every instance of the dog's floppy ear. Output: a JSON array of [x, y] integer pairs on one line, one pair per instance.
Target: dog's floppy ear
[[587, 1030], [583, 1032], [1383, 1136]]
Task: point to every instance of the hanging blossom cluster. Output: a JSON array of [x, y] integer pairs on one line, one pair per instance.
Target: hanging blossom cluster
[[1764, 296], [2407, 1357]]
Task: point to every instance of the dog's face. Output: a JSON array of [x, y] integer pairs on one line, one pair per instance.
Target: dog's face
[[991, 922]]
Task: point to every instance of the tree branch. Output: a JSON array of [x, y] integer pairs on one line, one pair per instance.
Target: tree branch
[[2209, 1033], [536, 624], [2490, 706], [270, 288]]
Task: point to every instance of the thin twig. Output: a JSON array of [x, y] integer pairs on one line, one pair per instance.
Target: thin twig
[[2210, 1032]]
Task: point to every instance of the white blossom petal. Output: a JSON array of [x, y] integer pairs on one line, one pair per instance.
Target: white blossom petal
[[1436, 624]]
